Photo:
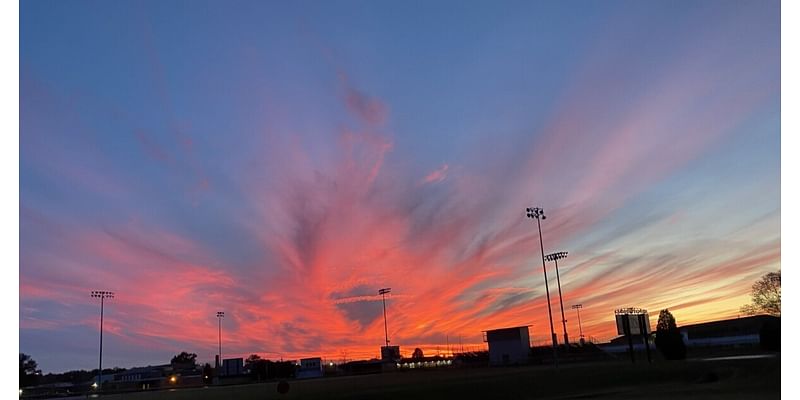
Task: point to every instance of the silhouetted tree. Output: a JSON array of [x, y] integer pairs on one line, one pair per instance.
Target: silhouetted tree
[[252, 359], [417, 353], [668, 339], [281, 369], [28, 372], [257, 366], [666, 322], [185, 358], [766, 296], [74, 376]]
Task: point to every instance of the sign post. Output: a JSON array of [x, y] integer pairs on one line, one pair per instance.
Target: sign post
[[633, 321]]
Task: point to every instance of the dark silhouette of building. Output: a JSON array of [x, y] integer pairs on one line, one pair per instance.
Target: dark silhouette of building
[[508, 345], [737, 331], [390, 353], [310, 368]]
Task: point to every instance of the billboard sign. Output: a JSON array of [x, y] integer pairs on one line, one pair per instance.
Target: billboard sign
[[638, 321]]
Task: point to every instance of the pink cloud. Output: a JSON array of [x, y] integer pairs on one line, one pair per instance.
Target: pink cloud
[[460, 261], [437, 175]]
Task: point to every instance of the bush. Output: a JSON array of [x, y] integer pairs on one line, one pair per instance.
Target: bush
[[670, 344]]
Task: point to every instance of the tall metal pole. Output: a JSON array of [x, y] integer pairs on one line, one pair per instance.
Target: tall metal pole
[[577, 308], [547, 289], [385, 325], [538, 213], [100, 367], [645, 338], [220, 315], [102, 295], [383, 292], [555, 257], [561, 300]]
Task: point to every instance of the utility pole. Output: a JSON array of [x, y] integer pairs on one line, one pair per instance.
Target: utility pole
[[555, 257], [102, 295], [577, 307], [383, 292], [220, 316], [538, 213]]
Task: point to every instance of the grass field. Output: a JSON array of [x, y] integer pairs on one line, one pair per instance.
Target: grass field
[[694, 379]]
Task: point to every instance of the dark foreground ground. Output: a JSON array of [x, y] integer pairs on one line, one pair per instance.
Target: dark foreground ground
[[755, 378]]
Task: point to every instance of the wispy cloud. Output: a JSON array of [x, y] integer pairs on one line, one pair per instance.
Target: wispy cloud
[[318, 202], [437, 175]]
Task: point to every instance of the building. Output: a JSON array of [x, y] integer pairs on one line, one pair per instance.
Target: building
[[390, 353], [508, 346], [141, 377], [729, 332], [232, 367], [310, 368], [747, 331], [361, 367], [620, 344]]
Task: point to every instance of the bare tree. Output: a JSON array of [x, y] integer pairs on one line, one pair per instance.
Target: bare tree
[[766, 295]]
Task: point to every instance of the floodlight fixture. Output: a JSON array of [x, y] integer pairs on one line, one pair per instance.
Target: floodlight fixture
[[535, 212], [556, 256]]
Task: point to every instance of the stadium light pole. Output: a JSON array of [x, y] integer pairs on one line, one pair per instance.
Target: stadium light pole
[[538, 213], [577, 307], [555, 257], [220, 316], [102, 295], [383, 292]]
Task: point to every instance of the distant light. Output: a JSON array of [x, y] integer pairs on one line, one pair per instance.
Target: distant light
[[330, 364], [173, 379], [205, 377], [20, 392], [94, 385]]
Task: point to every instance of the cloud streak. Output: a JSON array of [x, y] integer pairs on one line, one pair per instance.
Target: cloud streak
[[326, 197]]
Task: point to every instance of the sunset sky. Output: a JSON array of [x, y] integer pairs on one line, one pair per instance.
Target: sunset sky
[[282, 161]]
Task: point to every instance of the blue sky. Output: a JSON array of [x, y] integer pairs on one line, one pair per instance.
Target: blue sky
[[276, 160]]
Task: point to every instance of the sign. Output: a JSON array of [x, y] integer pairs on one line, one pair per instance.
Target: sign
[[633, 318]]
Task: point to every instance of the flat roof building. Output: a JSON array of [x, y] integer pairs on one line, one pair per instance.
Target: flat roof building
[[508, 346], [310, 368], [232, 367], [737, 331], [390, 353]]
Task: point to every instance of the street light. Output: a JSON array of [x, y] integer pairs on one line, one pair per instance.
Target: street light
[[577, 307], [555, 257], [383, 292], [220, 316], [538, 213], [102, 295]]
